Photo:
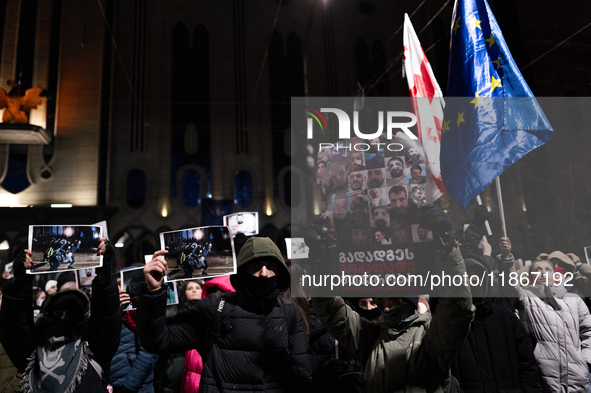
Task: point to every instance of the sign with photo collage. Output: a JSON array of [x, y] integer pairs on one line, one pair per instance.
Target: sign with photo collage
[[372, 190]]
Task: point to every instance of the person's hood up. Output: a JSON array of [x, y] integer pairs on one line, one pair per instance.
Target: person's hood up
[[262, 248], [562, 257], [473, 261], [66, 298], [222, 283]]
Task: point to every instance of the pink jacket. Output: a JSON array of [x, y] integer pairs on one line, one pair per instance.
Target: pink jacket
[[193, 362]]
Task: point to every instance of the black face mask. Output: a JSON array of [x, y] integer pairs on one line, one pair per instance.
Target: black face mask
[[397, 314], [370, 315], [259, 287], [50, 326]]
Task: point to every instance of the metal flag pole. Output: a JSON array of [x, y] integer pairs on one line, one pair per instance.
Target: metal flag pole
[[501, 211], [486, 224]]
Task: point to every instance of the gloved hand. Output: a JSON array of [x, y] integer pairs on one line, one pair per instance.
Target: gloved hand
[[436, 220], [19, 265], [315, 235], [22, 281], [480, 216], [107, 250]]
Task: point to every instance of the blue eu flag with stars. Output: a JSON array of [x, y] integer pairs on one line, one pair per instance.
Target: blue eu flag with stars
[[492, 118]]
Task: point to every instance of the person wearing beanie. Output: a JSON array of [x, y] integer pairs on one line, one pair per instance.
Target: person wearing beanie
[[249, 340], [497, 354], [51, 287], [404, 350], [66, 280], [68, 349]]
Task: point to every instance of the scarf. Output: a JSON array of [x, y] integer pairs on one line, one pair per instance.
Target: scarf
[[399, 314], [56, 367], [60, 359], [370, 315], [258, 294]]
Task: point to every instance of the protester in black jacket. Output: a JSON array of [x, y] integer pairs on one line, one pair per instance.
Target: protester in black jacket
[[262, 342], [497, 355], [70, 348]]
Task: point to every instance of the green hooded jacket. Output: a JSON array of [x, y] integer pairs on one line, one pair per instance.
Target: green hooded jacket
[[415, 356]]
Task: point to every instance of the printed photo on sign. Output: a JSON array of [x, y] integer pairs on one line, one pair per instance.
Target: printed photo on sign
[[395, 171], [132, 281], [420, 234], [414, 154], [296, 248], [358, 200], [382, 236], [357, 181], [417, 193], [243, 222], [198, 252], [356, 161], [64, 247], [372, 212], [85, 276], [417, 174], [378, 197]]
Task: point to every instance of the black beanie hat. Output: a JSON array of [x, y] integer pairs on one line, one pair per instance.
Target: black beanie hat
[[68, 299], [64, 278]]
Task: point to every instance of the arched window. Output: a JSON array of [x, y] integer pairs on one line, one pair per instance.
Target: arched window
[[136, 188], [242, 189], [291, 199], [191, 188]]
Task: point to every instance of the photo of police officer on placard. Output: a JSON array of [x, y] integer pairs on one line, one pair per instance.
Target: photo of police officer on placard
[[64, 247], [198, 252]]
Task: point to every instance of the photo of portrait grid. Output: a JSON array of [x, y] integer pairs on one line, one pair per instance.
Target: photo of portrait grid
[[64, 247], [198, 252], [370, 193]]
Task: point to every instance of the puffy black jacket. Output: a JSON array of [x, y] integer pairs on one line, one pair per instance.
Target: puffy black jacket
[[18, 332], [256, 351], [497, 355]]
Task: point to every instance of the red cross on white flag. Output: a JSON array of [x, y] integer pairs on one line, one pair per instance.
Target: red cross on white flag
[[422, 83]]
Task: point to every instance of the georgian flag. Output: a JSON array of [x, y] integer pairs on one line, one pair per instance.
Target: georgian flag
[[429, 110]]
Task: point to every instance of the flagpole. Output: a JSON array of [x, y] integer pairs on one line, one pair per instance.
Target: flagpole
[[501, 211]]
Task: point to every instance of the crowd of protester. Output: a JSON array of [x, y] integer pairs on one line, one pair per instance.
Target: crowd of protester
[[253, 332]]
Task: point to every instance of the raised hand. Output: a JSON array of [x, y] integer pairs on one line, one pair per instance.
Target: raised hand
[[155, 270], [505, 246], [124, 299], [23, 262]]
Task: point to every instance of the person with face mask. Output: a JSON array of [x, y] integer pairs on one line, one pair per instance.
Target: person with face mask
[[497, 354], [404, 350], [249, 340], [69, 348], [559, 321]]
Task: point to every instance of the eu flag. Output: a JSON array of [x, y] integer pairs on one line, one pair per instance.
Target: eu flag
[[499, 120]]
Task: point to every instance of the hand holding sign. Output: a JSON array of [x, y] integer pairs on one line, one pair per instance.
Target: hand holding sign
[[155, 270]]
